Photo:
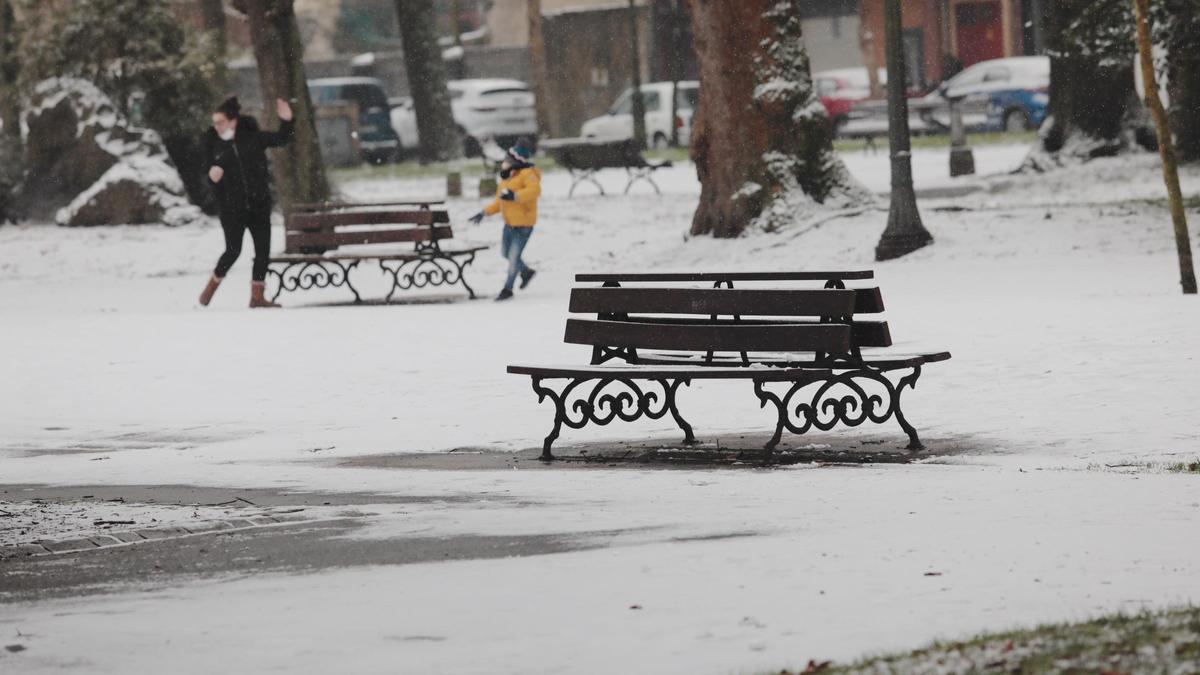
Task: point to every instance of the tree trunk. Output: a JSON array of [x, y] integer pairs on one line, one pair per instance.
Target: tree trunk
[[1166, 148], [676, 66], [1090, 100], [1183, 74], [212, 17], [537, 58], [762, 146], [427, 81], [279, 52], [639, 104], [11, 151]]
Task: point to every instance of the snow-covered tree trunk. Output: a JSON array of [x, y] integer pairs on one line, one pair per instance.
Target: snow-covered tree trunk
[[10, 112], [1093, 104], [427, 81], [762, 145], [1183, 74], [279, 52]]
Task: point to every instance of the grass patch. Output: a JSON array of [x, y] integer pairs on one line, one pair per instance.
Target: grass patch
[[940, 141], [1192, 466], [1148, 642], [1184, 467]]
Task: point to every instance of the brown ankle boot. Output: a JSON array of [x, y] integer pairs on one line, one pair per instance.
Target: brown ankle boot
[[257, 291], [206, 295]]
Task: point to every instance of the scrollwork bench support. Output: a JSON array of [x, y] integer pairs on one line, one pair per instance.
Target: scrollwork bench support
[[849, 397], [585, 400], [302, 275]]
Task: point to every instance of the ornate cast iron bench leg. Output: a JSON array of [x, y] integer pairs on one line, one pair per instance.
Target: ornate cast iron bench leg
[[594, 405], [849, 397], [305, 274], [910, 381], [432, 268]]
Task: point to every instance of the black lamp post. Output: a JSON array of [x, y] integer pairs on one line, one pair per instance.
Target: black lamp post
[[905, 233]]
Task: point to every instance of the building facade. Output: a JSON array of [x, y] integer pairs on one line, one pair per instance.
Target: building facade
[[944, 36]]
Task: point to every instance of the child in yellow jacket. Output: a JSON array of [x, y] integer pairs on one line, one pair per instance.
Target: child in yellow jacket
[[516, 200]]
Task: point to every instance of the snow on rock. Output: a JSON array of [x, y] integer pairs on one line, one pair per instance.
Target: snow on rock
[[87, 166]]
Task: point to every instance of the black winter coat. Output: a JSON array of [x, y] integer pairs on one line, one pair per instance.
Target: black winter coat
[[245, 187]]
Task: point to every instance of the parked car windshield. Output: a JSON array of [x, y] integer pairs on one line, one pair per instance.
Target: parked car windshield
[[624, 105], [366, 95], [687, 98]]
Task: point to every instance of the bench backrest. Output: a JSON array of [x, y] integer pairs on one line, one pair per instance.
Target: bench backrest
[[710, 320], [319, 231], [584, 154]]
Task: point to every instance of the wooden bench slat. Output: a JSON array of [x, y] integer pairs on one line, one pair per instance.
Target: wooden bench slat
[[299, 240], [728, 301], [868, 300], [773, 338], [325, 220], [343, 206], [726, 276], [671, 372], [393, 255], [885, 361], [863, 333]]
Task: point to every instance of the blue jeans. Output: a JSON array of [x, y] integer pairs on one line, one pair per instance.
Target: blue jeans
[[512, 243]]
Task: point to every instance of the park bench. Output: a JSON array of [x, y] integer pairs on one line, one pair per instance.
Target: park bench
[[808, 352], [583, 158], [314, 231]]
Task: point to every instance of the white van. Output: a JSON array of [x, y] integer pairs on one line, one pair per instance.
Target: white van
[[618, 123]]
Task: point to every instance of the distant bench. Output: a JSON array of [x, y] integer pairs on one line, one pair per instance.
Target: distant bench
[[583, 157], [312, 230], [806, 351]]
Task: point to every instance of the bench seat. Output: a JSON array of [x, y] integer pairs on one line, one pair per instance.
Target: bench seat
[[659, 372], [882, 361]]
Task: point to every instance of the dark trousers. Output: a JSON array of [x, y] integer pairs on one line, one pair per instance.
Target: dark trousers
[[235, 226]]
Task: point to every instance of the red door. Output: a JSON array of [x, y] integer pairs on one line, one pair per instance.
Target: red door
[[979, 30]]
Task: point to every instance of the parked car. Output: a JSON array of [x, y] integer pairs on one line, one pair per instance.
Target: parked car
[[376, 138], [840, 89], [484, 109], [617, 123], [1008, 94]]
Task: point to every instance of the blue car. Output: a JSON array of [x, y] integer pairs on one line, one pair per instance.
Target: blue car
[[999, 95]]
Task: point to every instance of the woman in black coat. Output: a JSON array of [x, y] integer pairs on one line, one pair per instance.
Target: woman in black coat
[[234, 149]]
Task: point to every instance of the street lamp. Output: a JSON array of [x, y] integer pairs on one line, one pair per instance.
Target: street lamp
[[904, 233]]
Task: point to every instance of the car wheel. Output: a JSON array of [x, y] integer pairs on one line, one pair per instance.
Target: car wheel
[[1015, 121], [660, 141]]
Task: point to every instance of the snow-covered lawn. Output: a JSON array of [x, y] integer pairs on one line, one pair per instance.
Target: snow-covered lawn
[[1058, 296]]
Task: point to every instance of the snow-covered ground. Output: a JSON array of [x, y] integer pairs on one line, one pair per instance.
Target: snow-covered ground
[[1058, 296]]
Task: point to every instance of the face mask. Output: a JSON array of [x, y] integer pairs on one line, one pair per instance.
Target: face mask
[[227, 135], [505, 173]]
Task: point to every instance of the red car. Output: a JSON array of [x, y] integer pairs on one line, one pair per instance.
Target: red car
[[840, 89]]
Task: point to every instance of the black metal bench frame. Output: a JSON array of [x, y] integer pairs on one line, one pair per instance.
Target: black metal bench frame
[[818, 392], [428, 264]]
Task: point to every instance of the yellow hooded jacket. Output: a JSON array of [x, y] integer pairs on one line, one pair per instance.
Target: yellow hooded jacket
[[526, 184]]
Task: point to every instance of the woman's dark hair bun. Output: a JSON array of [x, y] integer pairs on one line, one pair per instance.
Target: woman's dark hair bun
[[229, 107]]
